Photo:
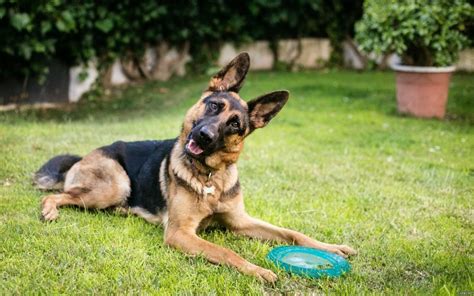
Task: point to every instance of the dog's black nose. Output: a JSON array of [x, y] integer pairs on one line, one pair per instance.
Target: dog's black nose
[[206, 134]]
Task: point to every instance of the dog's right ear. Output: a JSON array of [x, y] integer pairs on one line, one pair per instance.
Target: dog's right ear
[[231, 77], [264, 108]]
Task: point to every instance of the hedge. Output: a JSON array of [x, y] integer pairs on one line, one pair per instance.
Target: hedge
[[35, 32]]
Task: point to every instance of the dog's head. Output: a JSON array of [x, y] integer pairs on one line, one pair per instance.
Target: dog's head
[[215, 127]]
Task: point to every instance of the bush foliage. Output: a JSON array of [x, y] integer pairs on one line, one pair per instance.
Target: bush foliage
[[34, 32], [422, 32]]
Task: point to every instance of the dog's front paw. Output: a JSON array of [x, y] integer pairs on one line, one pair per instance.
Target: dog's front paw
[[266, 275], [342, 250], [262, 274]]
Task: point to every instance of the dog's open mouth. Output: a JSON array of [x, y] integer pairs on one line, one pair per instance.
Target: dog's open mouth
[[193, 147]]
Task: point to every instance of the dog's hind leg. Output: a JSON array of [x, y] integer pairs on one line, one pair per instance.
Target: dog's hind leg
[[95, 182], [51, 203]]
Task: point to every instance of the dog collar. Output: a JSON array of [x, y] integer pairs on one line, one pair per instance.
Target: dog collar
[[208, 188]]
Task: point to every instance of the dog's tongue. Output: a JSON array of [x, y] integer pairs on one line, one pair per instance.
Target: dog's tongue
[[194, 147]]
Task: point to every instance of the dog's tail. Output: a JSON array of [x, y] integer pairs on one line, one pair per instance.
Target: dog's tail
[[51, 175]]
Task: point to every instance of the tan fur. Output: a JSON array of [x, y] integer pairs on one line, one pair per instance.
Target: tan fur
[[162, 218], [98, 182], [218, 84], [163, 184], [222, 83]]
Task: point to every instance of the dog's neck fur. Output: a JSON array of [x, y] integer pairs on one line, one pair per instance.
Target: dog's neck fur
[[198, 175], [197, 167]]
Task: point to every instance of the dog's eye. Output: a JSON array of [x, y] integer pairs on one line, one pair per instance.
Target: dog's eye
[[234, 124], [213, 107]]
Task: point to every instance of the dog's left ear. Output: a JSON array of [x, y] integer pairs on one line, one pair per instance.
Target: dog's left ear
[[264, 108], [231, 77]]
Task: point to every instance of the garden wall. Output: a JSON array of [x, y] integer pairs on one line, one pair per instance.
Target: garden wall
[[67, 84], [466, 60]]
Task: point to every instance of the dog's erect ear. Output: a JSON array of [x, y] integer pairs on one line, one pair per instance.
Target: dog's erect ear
[[231, 77], [264, 108]]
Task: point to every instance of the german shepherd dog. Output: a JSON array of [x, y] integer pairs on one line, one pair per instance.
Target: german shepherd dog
[[184, 183]]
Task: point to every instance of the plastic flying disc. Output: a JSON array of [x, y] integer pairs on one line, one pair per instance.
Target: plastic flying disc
[[308, 262]]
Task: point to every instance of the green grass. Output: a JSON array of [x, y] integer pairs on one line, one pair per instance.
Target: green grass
[[338, 164]]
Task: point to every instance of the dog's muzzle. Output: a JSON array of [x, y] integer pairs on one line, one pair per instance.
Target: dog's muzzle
[[201, 140]]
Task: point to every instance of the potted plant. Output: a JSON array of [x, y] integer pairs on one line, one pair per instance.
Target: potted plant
[[427, 35]]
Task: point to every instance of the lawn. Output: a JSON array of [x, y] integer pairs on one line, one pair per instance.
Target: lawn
[[337, 163]]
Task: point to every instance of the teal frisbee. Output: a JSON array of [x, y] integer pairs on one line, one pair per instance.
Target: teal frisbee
[[308, 262]]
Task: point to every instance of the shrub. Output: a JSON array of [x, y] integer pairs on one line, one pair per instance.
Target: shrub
[[74, 31], [422, 32], [35, 32]]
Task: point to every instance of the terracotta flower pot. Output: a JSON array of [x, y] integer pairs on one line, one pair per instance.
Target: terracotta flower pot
[[422, 91]]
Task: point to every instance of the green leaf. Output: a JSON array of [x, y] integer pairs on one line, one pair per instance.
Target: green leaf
[[65, 23], [61, 25], [39, 47], [104, 25], [45, 27], [26, 51], [20, 20], [68, 20]]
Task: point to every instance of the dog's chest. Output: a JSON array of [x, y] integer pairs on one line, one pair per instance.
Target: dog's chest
[[216, 191], [215, 203]]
